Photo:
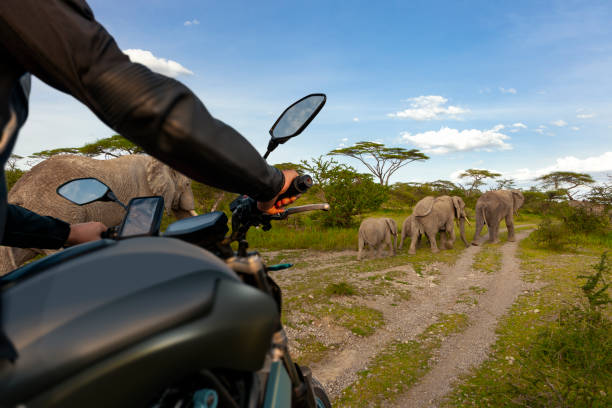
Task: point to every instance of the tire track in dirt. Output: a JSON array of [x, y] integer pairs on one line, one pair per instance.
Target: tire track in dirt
[[404, 322], [470, 348]]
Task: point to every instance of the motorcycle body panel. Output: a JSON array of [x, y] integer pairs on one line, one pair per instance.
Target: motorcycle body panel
[[114, 325]]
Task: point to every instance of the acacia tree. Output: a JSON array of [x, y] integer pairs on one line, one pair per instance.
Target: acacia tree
[[565, 180], [386, 160], [505, 184], [477, 176], [113, 146]]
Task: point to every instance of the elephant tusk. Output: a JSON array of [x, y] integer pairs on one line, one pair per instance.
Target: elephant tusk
[[193, 213], [468, 221]]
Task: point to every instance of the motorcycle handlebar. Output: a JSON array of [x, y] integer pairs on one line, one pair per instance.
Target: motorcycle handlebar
[[300, 185]]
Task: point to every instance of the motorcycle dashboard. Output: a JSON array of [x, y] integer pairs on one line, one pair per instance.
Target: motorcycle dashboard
[[143, 217]]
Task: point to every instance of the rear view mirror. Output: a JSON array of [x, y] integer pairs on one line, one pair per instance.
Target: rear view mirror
[[295, 119], [84, 191]]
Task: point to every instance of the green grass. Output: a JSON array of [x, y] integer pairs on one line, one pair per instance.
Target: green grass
[[399, 365], [310, 350], [340, 289], [488, 259], [547, 354], [361, 320]]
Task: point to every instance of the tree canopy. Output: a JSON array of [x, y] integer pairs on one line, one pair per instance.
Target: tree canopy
[[113, 146], [387, 160], [505, 184], [477, 176], [565, 180]]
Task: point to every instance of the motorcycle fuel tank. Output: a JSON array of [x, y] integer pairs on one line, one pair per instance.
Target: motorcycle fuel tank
[[114, 325]]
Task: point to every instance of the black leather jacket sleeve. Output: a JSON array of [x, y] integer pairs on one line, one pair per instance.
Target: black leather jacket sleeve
[[61, 43], [26, 229]]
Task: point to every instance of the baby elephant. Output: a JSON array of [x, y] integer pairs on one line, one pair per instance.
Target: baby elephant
[[407, 230], [377, 232]]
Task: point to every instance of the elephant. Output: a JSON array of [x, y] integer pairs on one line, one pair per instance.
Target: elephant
[[376, 233], [434, 214], [127, 176], [491, 208]]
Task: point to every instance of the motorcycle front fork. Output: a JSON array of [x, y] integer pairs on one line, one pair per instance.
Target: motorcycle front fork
[[301, 377]]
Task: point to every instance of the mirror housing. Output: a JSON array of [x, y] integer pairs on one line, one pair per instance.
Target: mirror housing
[[295, 119], [84, 191]]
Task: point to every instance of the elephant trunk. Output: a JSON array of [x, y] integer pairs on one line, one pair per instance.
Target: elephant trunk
[[462, 221]]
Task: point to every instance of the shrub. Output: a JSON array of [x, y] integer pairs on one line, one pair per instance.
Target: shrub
[[582, 220], [551, 234], [571, 359], [350, 193]]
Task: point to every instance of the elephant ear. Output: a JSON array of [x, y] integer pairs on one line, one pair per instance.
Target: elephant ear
[[423, 207], [392, 226], [457, 201], [161, 182], [517, 199]]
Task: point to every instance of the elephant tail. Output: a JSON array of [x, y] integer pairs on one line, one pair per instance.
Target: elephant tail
[[484, 217]]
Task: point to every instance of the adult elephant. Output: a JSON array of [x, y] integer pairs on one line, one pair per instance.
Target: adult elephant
[[128, 177], [376, 233], [438, 214], [491, 208]]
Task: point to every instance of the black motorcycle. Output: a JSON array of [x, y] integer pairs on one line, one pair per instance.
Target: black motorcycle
[[187, 319]]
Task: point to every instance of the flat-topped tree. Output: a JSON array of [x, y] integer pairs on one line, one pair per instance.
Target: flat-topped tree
[[382, 161], [477, 176], [113, 146], [565, 180], [505, 184]]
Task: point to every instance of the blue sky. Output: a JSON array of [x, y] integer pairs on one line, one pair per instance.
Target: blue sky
[[519, 87]]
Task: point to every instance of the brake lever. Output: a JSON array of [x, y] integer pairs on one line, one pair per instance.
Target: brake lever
[[302, 208]]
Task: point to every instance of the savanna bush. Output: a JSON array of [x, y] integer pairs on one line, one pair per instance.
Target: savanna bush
[[570, 363], [551, 234], [581, 220]]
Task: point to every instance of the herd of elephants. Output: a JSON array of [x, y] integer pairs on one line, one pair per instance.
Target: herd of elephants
[[141, 175], [438, 214]]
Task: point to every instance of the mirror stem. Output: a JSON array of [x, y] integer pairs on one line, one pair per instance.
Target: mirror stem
[[114, 198]]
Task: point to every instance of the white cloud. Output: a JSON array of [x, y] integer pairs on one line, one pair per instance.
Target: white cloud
[[160, 65], [509, 90], [585, 115], [575, 128], [428, 107], [514, 130], [355, 119], [344, 140], [448, 140], [191, 22], [519, 125], [602, 163], [559, 123]]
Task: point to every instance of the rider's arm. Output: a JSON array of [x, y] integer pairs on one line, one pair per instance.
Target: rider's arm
[[61, 43], [26, 229]]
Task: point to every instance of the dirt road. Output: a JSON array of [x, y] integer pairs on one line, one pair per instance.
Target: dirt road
[[440, 288]]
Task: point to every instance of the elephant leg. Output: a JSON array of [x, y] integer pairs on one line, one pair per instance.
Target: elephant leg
[[510, 226], [401, 245], [479, 225], [413, 242], [360, 248], [13, 258], [431, 235], [450, 232], [494, 233]]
